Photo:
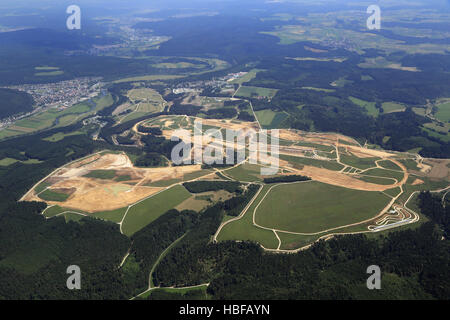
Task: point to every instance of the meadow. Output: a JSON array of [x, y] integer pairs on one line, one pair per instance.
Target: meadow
[[249, 92], [146, 211], [270, 119], [443, 113], [244, 230], [369, 106], [310, 207], [245, 172], [360, 163]]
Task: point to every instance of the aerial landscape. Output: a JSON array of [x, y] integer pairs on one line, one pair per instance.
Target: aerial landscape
[[225, 150]]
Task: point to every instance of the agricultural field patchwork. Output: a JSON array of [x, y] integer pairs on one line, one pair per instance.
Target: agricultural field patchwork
[[349, 188]]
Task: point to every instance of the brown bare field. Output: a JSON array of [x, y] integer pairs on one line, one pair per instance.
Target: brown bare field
[[424, 169], [93, 198], [92, 194], [197, 203], [329, 139], [192, 204], [417, 182], [290, 135], [439, 169], [228, 124], [342, 180], [364, 152]]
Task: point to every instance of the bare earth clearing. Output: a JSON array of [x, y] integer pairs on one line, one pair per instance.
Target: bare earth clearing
[[91, 194]]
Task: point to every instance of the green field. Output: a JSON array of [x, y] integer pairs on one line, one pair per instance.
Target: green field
[[60, 136], [249, 92], [113, 216], [410, 164], [270, 119], [145, 101], [320, 147], [41, 187], [369, 106], [102, 174], [243, 229], [389, 107], [145, 94], [7, 162], [152, 208], [325, 27], [7, 133], [103, 102], [313, 207], [291, 241], [49, 195], [384, 173], [245, 172], [393, 192], [341, 82], [53, 211], [50, 117], [56, 117], [435, 130], [443, 113], [429, 184], [360, 163], [71, 216], [37, 122], [389, 165]]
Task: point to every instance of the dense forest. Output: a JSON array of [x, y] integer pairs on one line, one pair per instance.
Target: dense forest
[[437, 208], [205, 186], [14, 102], [23, 50], [290, 178], [334, 111]]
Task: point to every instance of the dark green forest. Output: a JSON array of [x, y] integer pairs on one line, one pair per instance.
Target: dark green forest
[[14, 102]]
